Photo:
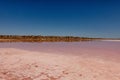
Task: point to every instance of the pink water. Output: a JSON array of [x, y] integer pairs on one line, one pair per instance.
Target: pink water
[[99, 49]]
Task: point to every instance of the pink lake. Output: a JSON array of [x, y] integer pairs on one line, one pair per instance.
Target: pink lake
[[93, 60], [109, 50]]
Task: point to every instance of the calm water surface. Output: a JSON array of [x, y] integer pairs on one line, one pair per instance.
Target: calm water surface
[[104, 49]]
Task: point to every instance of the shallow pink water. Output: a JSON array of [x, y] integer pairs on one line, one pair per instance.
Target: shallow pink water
[[100, 49], [98, 60]]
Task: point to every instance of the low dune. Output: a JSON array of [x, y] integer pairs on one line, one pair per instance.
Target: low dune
[[17, 64]]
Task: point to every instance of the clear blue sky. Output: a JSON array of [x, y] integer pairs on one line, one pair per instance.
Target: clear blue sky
[[88, 18]]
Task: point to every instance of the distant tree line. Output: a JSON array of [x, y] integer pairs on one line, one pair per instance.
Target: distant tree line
[[39, 38]]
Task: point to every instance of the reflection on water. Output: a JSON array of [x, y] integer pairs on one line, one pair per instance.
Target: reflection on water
[[96, 48]]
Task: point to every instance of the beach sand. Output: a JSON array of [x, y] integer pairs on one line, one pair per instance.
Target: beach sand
[[18, 64]]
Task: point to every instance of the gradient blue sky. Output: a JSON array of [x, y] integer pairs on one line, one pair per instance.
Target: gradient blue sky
[[86, 18]]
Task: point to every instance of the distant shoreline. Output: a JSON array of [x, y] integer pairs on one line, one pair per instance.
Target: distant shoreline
[[39, 38], [112, 40]]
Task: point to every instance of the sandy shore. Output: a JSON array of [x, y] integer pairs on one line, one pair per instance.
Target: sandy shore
[[112, 40], [16, 64]]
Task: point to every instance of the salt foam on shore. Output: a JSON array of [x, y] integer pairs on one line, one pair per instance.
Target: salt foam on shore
[[16, 64]]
